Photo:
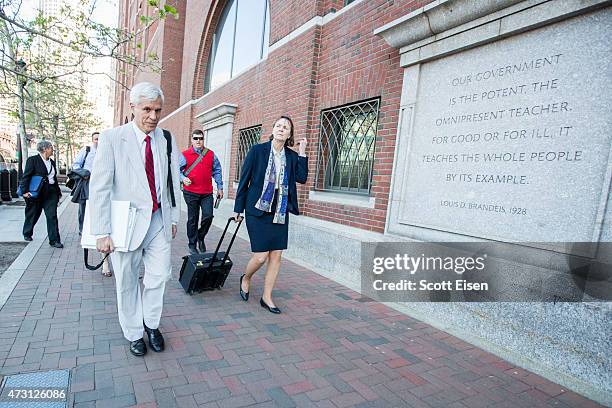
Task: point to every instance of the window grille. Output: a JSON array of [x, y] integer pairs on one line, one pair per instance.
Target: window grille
[[346, 147], [246, 139]]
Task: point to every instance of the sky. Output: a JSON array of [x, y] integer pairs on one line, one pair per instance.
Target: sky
[[106, 11]]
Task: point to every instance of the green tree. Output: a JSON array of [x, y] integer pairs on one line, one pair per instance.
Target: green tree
[[45, 58], [62, 114]]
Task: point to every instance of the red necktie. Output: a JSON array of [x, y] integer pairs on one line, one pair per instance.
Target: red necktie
[[150, 168]]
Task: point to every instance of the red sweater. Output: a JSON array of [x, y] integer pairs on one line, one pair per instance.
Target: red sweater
[[201, 175]]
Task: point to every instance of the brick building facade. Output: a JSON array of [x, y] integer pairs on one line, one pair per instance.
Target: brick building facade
[[322, 54], [369, 83]]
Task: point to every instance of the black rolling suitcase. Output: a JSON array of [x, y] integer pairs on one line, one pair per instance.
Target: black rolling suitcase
[[209, 270]]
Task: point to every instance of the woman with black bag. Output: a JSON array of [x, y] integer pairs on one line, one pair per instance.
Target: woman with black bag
[[47, 197], [267, 193]]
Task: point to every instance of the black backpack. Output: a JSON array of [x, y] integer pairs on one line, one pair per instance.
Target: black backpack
[[168, 137]]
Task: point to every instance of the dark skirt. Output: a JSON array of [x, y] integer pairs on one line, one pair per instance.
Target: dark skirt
[[264, 234]]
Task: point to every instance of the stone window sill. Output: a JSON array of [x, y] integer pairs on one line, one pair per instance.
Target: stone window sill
[[341, 198]]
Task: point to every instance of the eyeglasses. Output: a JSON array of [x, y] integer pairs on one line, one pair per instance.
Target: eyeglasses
[[198, 138]]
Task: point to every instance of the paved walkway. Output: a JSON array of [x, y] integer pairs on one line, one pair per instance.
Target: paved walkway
[[327, 349], [11, 221]]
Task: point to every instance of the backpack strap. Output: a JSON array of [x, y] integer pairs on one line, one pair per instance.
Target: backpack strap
[[168, 137], [87, 149]]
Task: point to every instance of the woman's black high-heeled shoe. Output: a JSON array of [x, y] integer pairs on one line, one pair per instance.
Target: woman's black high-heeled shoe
[[244, 295], [274, 310]]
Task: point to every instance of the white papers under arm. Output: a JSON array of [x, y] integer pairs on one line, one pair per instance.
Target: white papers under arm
[[122, 226]]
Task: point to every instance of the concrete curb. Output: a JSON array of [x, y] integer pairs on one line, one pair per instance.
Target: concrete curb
[[13, 274]]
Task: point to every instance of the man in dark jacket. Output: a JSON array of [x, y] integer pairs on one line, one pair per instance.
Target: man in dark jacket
[[48, 195]]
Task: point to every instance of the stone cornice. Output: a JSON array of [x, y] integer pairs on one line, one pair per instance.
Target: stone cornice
[[437, 17], [445, 27], [217, 116]]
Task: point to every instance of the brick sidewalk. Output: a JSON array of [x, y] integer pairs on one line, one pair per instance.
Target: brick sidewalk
[[327, 349]]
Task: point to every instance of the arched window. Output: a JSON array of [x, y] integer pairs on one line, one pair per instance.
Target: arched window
[[241, 39]]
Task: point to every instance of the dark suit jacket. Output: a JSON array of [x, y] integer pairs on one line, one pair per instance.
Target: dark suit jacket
[[35, 166], [80, 192], [254, 172]]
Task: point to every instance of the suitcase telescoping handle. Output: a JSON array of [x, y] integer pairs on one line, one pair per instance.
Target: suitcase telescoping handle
[[221, 240]]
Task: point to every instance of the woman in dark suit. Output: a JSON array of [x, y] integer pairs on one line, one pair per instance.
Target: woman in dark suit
[[48, 195], [267, 194]]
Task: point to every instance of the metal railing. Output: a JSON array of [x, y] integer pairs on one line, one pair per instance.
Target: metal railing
[[246, 139]]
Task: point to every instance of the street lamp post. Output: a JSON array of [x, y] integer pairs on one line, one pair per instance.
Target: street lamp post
[[55, 124], [22, 145], [18, 157]]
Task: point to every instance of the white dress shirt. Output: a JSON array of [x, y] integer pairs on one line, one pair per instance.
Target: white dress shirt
[[277, 165], [89, 159], [143, 144], [50, 169]]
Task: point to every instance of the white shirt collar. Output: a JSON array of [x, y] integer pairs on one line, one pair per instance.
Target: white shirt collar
[[43, 157], [277, 153], [141, 135]]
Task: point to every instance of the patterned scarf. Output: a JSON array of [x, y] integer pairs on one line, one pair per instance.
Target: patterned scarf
[[267, 194]]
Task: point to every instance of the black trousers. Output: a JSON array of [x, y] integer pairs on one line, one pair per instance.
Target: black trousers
[[82, 205], [195, 204], [48, 202]]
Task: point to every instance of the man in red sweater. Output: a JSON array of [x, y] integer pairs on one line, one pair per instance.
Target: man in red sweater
[[198, 166]]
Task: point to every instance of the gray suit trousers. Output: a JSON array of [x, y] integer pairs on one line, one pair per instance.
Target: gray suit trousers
[[134, 304]]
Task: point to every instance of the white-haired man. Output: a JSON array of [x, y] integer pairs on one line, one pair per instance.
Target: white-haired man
[[131, 164]]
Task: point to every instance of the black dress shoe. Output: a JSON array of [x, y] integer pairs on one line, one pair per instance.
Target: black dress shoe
[[27, 238], [193, 250], [57, 244], [201, 245], [244, 295], [274, 310], [156, 340], [138, 348]]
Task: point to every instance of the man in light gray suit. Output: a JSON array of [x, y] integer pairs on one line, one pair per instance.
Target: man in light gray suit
[[131, 164]]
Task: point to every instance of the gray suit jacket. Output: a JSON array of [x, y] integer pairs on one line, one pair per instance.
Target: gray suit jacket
[[119, 174]]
